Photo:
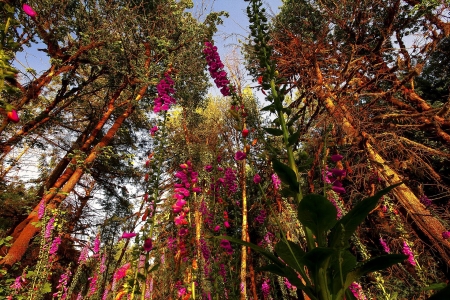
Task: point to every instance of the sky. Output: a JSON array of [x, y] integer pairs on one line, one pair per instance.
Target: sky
[[233, 30]]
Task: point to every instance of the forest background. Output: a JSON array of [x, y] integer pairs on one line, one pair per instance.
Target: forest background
[[121, 176]]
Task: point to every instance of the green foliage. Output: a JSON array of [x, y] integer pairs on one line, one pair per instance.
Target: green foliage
[[330, 266]]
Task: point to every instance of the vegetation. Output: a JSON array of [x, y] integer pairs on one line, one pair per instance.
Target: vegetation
[[121, 178]]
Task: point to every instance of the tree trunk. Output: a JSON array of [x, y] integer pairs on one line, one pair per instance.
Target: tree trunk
[[427, 225], [425, 222], [245, 237], [27, 230]]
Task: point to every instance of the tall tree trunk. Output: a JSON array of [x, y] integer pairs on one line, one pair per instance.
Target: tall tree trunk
[[27, 230], [245, 237], [421, 217], [427, 225]]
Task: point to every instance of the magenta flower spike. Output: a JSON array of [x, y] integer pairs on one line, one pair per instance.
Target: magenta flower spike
[[336, 157], [338, 173], [128, 235], [338, 189], [256, 179], [240, 155], [153, 130], [29, 10], [276, 182], [148, 245]]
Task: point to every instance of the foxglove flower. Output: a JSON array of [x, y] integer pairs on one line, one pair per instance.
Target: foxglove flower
[[240, 155], [13, 116], [55, 244], [245, 132], [41, 210], [276, 182], [338, 189], [356, 290], [446, 235], [128, 235], [385, 246], [148, 245], [216, 68], [256, 179], [153, 130], [29, 10], [265, 288], [336, 157], [49, 228], [407, 251]]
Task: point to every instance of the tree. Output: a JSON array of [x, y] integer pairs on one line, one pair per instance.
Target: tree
[[110, 56], [351, 62]]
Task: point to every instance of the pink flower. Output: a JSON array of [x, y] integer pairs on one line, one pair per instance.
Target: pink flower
[[357, 291], [148, 245], [120, 273], [338, 189], [338, 173], [41, 210], [208, 168], [83, 254], [217, 228], [385, 246], [336, 157], [240, 155], [257, 179], [265, 288], [446, 235], [182, 232], [96, 244], [196, 190], [49, 228], [17, 285], [55, 245], [276, 182], [407, 251], [13, 116], [29, 11], [153, 130], [128, 235], [226, 224], [245, 132]]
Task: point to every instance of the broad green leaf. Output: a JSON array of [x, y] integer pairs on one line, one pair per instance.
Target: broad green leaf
[[258, 249], [286, 174], [443, 294], [268, 107], [317, 213], [341, 265], [272, 268], [434, 286], [373, 265], [345, 227], [293, 138], [273, 131], [294, 258], [154, 268], [317, 256]]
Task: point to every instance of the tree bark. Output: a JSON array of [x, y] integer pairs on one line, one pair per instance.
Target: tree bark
[[27, 229], [245, 237]]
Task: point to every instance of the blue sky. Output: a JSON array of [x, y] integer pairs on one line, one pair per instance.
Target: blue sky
[[234, 28]]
